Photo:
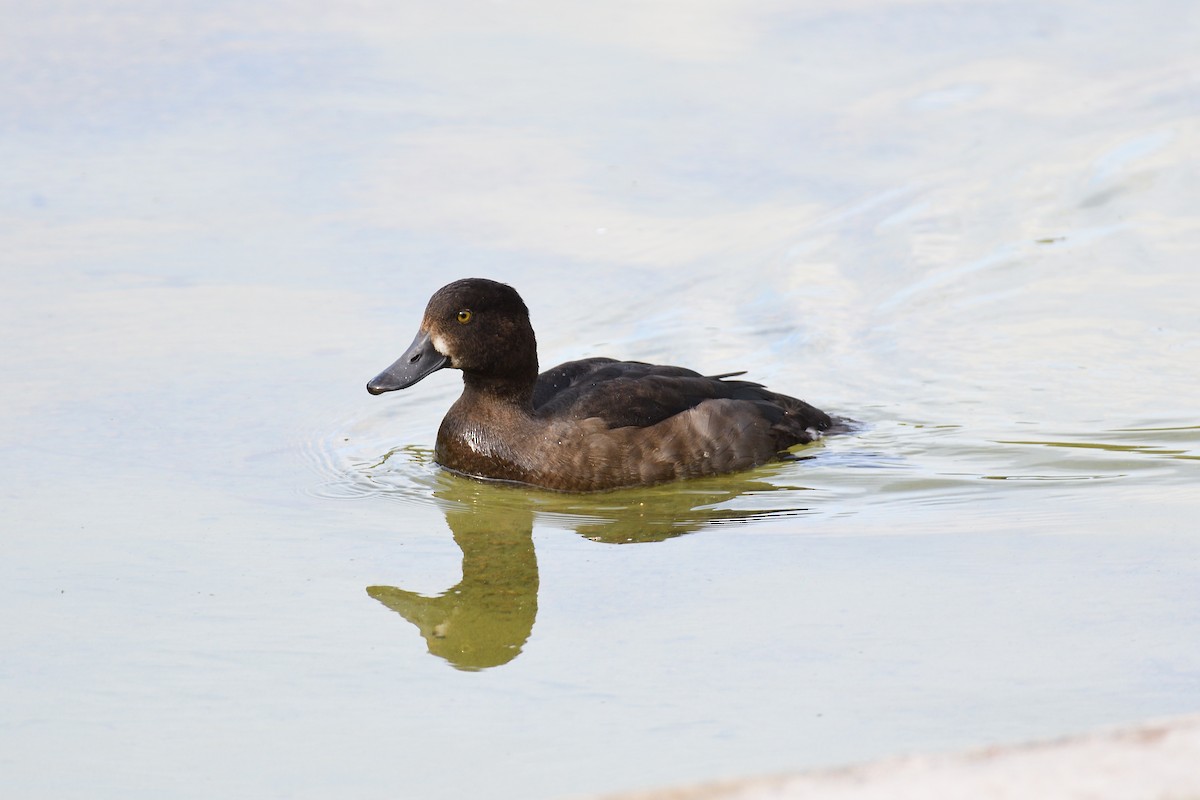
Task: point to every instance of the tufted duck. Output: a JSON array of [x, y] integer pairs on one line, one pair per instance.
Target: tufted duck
[[585, 425]]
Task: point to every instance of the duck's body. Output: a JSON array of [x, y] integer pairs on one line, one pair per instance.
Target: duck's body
[[585, 425]]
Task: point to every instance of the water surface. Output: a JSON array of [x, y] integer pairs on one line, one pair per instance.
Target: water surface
[[230, 571]]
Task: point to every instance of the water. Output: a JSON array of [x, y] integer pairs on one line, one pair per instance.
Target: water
[[228, 570]]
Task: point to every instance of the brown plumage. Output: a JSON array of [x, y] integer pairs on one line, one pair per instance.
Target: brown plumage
[[585, 425]]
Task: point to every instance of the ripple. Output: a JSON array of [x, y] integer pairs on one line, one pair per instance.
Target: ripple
[[356, 459]]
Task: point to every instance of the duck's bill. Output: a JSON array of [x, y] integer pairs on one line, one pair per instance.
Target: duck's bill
[[420, 359]]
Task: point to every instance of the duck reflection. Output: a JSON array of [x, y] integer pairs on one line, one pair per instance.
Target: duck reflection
[[485, 619]]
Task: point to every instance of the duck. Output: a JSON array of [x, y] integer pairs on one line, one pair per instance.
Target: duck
[[596, 424]]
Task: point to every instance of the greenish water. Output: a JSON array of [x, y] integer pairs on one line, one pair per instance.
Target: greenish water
[[229, 571]]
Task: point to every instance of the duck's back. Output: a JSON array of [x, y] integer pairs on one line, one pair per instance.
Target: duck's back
[[633, 393]]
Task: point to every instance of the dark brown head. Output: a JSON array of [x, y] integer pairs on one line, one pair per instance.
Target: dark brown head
[[476, 325]]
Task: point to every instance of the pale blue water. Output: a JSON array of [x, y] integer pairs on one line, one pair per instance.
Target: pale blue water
[[228, 571]]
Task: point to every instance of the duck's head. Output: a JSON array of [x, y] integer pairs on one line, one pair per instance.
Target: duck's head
[[476, 325]]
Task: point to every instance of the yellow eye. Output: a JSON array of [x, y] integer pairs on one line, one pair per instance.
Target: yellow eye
[[464, 316]]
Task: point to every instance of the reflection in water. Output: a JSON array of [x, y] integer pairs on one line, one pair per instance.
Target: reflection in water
[[485, 619], [1182, 453]]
